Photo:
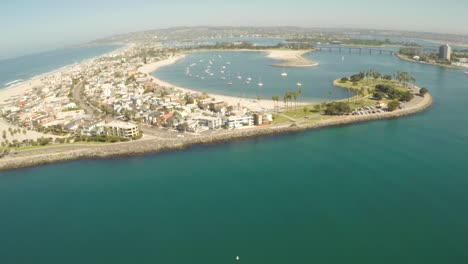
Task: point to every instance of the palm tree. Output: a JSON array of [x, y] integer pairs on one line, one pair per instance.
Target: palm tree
[[276, 99], [299, 93], [285, 100], [294, 96]]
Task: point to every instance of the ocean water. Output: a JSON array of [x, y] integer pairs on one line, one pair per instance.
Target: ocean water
[[389, 191], [23, 68]]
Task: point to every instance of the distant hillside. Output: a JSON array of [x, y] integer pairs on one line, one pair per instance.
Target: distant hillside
[[191, 33]]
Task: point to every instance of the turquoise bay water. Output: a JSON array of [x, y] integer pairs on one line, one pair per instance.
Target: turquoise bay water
[[26, 67], [381, 192]]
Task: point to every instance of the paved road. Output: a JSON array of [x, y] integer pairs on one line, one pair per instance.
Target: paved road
[[79, 100]]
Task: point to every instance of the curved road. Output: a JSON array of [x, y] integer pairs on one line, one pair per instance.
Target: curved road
[[79, 100]]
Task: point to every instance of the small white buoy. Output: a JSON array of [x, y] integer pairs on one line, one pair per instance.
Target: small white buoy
[[237, 258]]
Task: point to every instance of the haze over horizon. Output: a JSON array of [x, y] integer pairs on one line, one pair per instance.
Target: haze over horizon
[[38, 26]]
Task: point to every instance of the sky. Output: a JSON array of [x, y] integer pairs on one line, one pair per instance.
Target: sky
[[30, 26]]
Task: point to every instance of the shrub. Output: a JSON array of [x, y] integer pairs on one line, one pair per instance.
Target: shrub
[[393, 105], [423, 91], [337, 108]]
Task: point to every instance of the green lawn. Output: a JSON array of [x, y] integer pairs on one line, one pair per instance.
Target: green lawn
[[52, 145], [367, 84], [299, 111], [280, 120], [317, 119]]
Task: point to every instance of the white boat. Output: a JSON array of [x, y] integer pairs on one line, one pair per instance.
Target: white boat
[[299, 84], [229, 83], [228, 63], [223, 78], [284, 74], [249, 79], [260, 84], [466, 72], [239, 77]]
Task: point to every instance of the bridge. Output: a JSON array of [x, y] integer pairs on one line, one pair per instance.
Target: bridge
[[370, 50], [359, 49]]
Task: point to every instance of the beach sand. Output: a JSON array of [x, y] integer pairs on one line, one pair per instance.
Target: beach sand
[[252, 104], [289, 57]]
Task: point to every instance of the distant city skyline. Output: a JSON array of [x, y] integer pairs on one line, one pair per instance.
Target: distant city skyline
[[34, 26]]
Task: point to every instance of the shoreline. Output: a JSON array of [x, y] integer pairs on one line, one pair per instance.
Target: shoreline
[[21, 87], [453, 67], [150, 145], [291, 58], [288, 58], [251, 103]]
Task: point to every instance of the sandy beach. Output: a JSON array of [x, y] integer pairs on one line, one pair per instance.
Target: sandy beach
[[289, 57], [20, 88], [253, 104]]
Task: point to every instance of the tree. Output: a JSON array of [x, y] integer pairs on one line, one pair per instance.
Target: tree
[[299, 93], [406, 96], [378, 95], [337, 108], [294, 96], [317, 108], [183, 127], [276, 100], [376, 75], [387, 77], [423, 91], [393, 105]]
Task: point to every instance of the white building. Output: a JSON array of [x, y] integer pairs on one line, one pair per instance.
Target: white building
[[445, 52], [93, 129], [122, 129], [240, 121], [210, 121]]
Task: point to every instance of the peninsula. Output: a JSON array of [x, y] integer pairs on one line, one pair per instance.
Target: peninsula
[[112, 106]]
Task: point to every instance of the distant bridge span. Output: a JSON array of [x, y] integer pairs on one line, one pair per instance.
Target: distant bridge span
[[359, 49], [370, 50]]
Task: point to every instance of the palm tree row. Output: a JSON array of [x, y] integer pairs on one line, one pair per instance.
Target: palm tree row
[[291, 95], [13, 132]]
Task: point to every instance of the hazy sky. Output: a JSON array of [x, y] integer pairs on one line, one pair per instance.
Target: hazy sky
[[28, 26]]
